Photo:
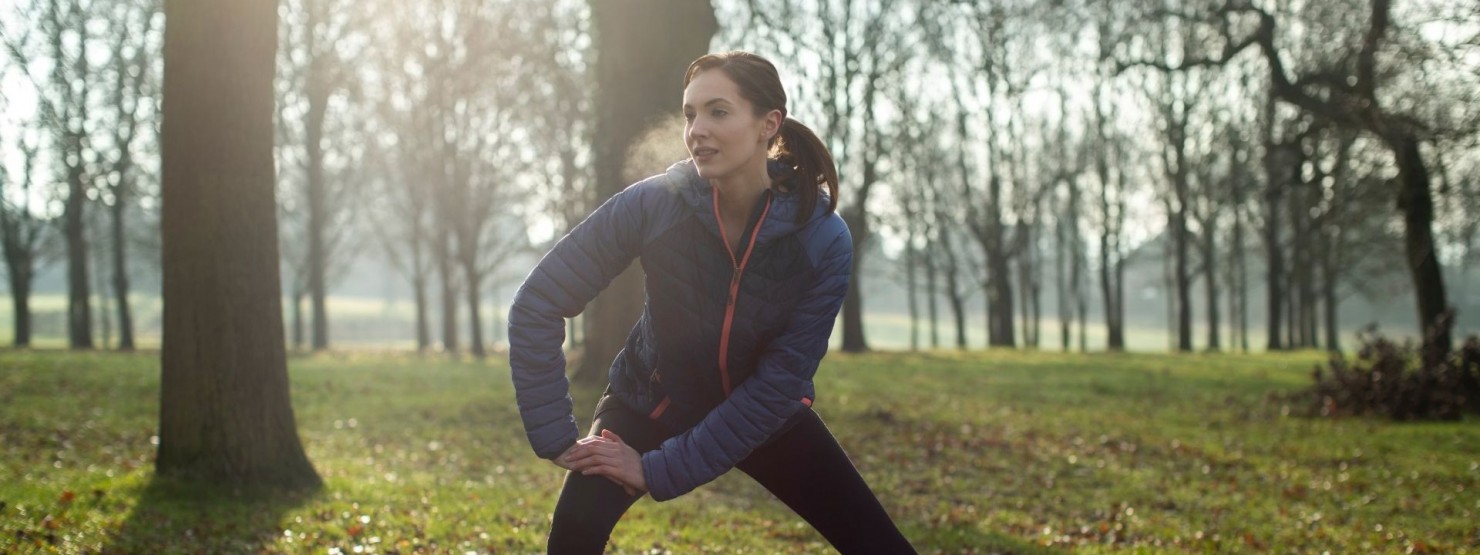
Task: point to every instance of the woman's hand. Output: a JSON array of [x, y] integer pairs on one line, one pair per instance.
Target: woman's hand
[[608, 456]]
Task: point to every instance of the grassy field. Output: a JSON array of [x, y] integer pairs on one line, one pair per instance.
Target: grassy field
[[980, 453]]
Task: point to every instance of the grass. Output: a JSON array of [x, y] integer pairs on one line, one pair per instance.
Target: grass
[[972, 453]]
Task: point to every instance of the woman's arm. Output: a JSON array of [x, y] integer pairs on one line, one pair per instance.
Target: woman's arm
[[579, 266], [760, 405]]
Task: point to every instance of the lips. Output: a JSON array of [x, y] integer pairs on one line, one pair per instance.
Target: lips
[[704, 153]]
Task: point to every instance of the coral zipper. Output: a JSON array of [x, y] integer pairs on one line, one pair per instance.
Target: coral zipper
[[739, 269]]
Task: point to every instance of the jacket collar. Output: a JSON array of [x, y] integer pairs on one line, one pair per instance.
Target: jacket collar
[[782, 220]]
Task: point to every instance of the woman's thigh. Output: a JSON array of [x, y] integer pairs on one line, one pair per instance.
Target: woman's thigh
[[808, 470]]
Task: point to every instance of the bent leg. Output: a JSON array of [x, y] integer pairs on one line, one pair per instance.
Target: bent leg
[[807, 469], [590, 506]]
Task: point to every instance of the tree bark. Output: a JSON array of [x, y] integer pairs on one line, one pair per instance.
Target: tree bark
[[1417, 203], [638, 75], [225, 413]]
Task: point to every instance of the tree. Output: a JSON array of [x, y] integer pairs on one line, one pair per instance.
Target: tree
[[224, 403], [132, 107], [319, 88], [638, 78], [23, 235], [65, 98], [1350, 90]]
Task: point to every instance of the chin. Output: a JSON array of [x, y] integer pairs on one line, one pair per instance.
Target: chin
[[711, 170]]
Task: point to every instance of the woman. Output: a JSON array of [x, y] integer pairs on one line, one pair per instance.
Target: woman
[[747, 264]]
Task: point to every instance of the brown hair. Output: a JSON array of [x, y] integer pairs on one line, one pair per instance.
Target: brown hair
[[796, 145]]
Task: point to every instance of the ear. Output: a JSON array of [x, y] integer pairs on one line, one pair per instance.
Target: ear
[[772, 125]]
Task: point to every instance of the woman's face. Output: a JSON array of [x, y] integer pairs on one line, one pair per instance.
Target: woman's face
[[722, 133]]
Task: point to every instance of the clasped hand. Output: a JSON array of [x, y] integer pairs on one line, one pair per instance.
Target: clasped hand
[[606, 455]]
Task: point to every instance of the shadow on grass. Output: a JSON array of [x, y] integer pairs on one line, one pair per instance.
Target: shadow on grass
[[182, 516]]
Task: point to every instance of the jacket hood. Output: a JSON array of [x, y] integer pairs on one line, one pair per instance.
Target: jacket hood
[[782, 219]]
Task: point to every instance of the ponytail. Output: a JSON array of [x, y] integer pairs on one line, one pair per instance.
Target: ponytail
[[798, 147]]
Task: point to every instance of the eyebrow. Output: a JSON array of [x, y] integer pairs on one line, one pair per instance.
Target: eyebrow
[[711, 101]]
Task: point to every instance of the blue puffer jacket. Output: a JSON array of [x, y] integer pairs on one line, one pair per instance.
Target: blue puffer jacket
[[727, 344]]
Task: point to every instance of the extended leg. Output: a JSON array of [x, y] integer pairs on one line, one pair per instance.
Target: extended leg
[[807, 469]]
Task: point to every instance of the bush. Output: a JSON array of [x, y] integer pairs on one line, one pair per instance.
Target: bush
[[1400, 381]]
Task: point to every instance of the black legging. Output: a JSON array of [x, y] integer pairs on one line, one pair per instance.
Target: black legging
[[804, 467]]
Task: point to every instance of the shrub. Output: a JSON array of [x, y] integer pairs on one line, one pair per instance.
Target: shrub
[[1400, 381]]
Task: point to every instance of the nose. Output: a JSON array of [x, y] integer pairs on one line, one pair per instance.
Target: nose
[[697, 130]]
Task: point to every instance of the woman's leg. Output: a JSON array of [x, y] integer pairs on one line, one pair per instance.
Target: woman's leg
[[590, 506], [807, 469]]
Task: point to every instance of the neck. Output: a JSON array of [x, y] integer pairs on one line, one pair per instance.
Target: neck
[[738, 192]]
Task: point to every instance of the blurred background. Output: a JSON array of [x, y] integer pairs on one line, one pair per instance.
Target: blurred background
[[1066, 175]]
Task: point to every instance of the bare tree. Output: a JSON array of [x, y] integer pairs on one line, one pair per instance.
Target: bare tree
[[132, 111], [66, 97], [318, 88], [23, 235], [1344, 88]]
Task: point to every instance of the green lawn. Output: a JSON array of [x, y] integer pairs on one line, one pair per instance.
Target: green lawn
[[987, 452]]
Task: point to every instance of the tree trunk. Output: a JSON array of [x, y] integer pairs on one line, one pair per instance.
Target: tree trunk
[[931, 300], [639, 74], [445, 271], [318, 103], [79, 308], [298, 335], [1417, 204], [1274, 252], [19, 272], [475, 323], [120, 273], [225, 413], [912, 288], [1210, 285], [419, 291], [1061, 279], [853, 337]]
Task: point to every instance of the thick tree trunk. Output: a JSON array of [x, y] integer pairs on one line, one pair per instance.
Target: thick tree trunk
[[225, 414], [638, 75]]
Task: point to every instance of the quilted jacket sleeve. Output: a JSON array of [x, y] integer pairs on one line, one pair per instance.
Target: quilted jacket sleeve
[[760, 405], [579, 266]]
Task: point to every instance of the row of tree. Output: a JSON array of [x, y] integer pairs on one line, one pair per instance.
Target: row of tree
[[1017, 150]]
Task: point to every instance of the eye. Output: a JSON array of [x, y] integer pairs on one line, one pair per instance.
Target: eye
[[720, 113], [688, 116]]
